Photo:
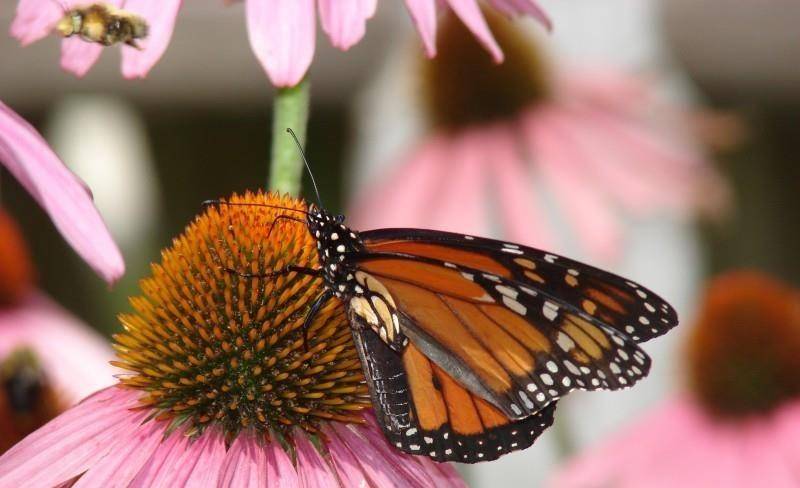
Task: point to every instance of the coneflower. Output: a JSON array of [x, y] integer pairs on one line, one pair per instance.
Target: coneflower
[[226, 385]]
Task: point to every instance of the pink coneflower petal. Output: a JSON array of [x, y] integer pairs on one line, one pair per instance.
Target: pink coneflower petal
[[280, 471], [282, 34], [423, 13], [594, 222], [313, 471], [120, 466], [467, 176], [78, 56], [470, 14], [523, 7], [245, 464], [161, 16], [27, 156], [523, 220], [407, 192], [35, 20], [345, 22], [72, 442], [74, 357], [348, 468]]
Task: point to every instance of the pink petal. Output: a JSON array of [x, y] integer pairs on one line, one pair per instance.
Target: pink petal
[[467, 169], [345, 22], [523, 7], [245, 464], [347, 466], [176, 459], [523, 221], [404, 196], [595, 224], [312, 469], [470, 14], [78, 56], [161, 18], [280, 470], [74, 357], [423, 13], [282, 34], [72, 442], [120, 466], [206, 458], [442, 474], [35, 20], [28, 157]]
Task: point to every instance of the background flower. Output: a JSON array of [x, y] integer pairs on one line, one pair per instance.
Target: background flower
[[48, 359], [739, 423], [518, 138]]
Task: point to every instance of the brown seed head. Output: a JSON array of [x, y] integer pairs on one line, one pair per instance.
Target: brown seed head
[[463, 86], [209, 346], [744, 353]]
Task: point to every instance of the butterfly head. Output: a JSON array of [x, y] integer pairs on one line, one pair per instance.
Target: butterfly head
[[335, 241]]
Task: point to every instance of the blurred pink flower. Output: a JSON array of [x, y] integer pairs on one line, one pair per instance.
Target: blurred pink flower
[[107, 441], [61, 194], [679, 444], [74, 358], [36, 19], [591, 149]]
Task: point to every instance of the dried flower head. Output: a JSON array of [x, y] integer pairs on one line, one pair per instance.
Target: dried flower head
[[744, 353], [464, 86]]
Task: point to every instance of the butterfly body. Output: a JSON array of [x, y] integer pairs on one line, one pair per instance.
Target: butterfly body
[[468, 343]]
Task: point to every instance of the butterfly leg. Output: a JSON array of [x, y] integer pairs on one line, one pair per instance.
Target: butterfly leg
[[312, 312], [288, 269]]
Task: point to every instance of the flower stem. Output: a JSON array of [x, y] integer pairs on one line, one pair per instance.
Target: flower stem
[[290, 111]]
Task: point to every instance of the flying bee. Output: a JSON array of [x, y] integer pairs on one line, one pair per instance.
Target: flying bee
[[103, 24]]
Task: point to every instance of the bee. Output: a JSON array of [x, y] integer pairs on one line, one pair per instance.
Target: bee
[[103, 24]]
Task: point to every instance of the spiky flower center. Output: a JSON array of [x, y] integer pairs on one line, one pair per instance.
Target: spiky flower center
[[463, 86], [209, 344], [744, 353], [16, 268]]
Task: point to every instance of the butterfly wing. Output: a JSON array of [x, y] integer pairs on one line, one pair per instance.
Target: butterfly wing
[[516, 342], [620, 303], [424, 411]]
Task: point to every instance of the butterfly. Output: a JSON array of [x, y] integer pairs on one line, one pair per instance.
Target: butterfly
[[468, 343]]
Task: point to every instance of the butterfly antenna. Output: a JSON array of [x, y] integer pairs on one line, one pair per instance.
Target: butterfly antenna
[[303, 154]]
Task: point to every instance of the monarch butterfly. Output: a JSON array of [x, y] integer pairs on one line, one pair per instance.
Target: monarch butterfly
[[467, 343]]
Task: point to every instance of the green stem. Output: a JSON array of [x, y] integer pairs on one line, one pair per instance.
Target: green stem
[[290, 111]]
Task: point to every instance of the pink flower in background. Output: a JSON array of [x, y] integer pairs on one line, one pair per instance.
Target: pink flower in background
[[61, 194], [739, 424], [512, 140], [106, 441], [282, 32], [36, 19], [48, 359]]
